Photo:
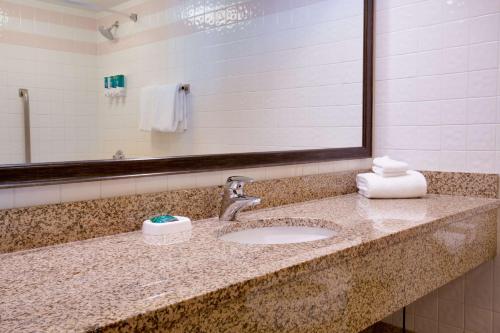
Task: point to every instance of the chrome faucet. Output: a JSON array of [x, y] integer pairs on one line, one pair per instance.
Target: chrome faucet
[[234, 199], [119, 155]]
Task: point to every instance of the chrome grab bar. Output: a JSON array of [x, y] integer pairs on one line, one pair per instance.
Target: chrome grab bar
[[23, 93]]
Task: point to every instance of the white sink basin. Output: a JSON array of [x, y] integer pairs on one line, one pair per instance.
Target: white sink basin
[[278, 235]]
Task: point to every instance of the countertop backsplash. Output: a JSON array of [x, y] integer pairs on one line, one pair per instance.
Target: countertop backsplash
[[38, 226]]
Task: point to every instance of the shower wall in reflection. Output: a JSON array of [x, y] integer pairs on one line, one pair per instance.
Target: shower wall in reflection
[[50, 50], [264, 76]]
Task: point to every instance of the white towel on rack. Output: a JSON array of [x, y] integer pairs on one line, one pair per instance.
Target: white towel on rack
[[148, 102], [170, 114]]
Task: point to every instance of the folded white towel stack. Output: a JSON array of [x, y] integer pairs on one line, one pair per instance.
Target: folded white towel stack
[[163, 109], [388, 167], [391, 180]]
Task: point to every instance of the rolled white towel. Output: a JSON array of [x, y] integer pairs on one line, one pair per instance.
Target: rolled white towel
[[371, 185], [390, 166], [385, 173]]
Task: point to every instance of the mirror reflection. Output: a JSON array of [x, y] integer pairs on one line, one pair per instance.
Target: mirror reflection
[[89, 79]]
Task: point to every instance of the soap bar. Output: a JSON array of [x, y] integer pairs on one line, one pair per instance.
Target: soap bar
[[163, 219]]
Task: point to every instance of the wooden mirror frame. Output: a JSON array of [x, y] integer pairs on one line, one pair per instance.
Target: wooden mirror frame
[[19, 175]]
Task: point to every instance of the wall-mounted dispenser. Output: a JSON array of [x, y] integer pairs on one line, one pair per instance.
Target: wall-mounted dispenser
[[114, 86]]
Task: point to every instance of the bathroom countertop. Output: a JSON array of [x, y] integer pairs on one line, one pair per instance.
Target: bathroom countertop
[[94, 284]]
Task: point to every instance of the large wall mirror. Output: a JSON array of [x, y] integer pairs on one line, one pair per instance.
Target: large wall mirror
[[112, 88]]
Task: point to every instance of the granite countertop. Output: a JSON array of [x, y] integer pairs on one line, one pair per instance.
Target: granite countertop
[[85, 285]]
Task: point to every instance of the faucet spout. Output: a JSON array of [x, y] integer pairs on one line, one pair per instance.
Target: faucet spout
[[234, 199]]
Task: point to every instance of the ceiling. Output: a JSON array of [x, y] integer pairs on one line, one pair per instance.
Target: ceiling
[[94, 5]]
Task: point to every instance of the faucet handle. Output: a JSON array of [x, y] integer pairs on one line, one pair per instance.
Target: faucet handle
[[235, 184]]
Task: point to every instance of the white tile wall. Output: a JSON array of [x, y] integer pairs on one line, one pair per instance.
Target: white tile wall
[[80, 191], [6, 199], [33, 196], [463, 305], [437, 76], [440, 112]]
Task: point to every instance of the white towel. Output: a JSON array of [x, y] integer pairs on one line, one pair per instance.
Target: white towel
[[385, 173], [389, 166], [170, 114], [148, 104], [371, 185]]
